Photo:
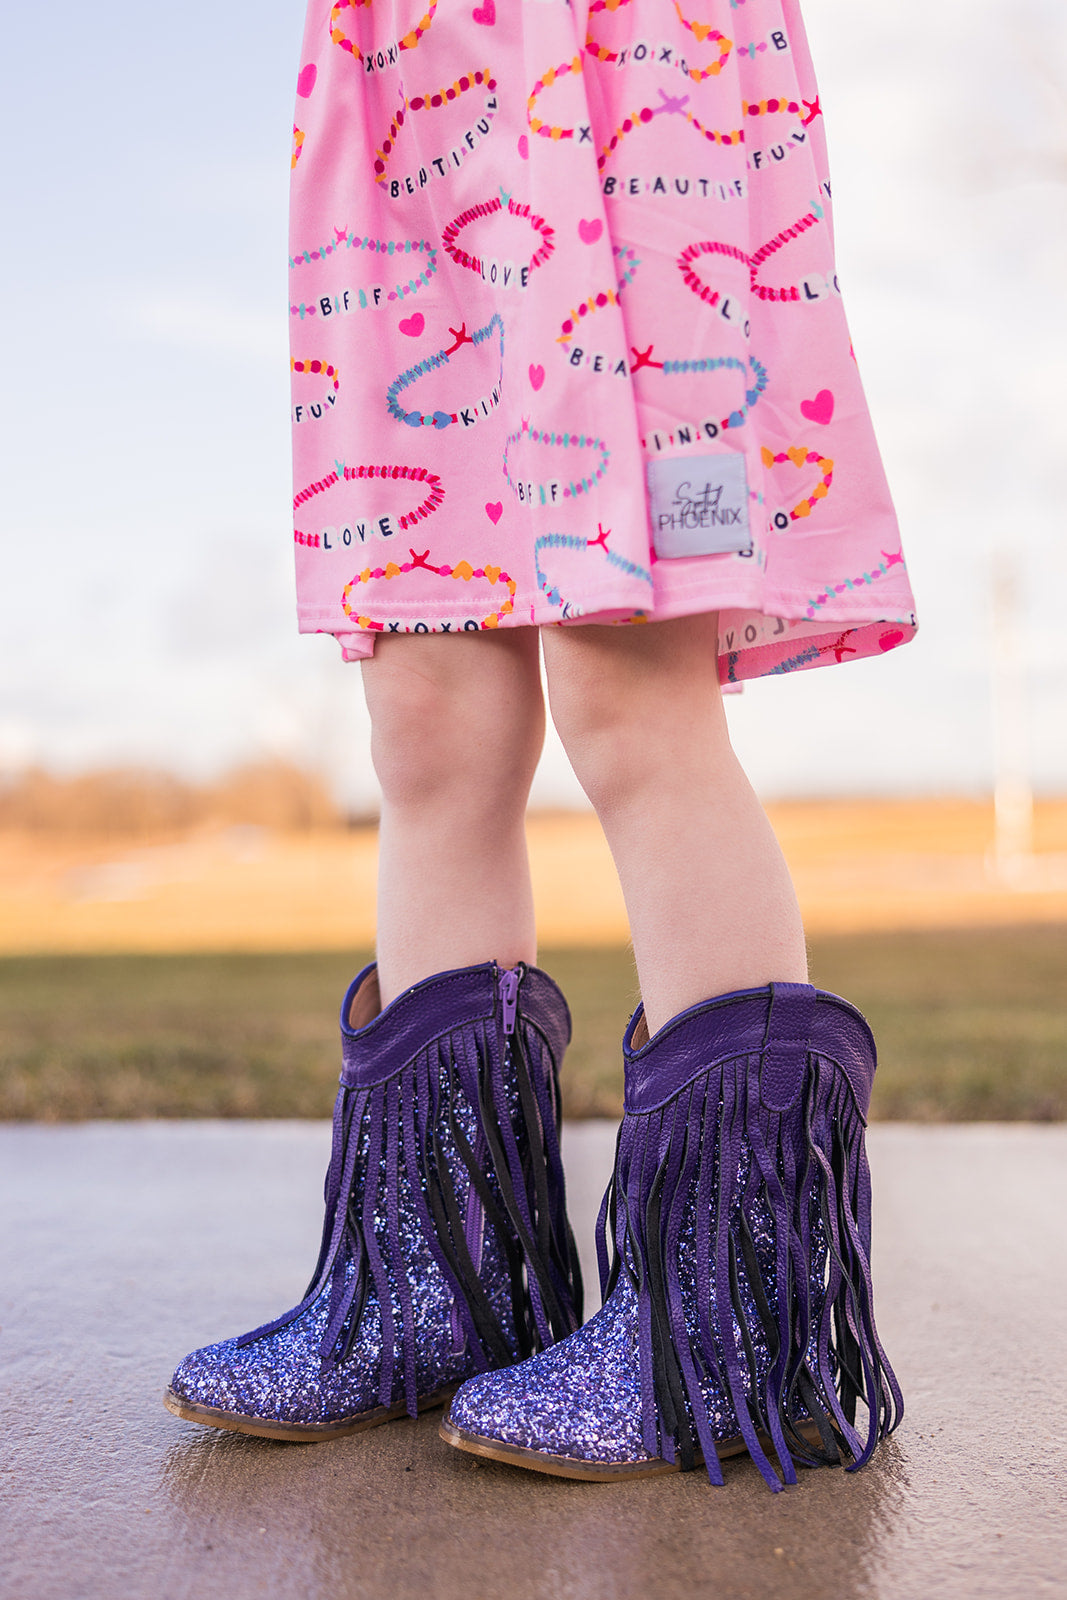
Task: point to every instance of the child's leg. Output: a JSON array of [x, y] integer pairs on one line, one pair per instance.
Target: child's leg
[[457, 728], [710, 901], [418, 1141]]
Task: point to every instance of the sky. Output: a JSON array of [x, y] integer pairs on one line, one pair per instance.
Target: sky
[[147, 612]]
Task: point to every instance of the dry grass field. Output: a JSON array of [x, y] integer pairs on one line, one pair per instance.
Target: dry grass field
[[858, 865]]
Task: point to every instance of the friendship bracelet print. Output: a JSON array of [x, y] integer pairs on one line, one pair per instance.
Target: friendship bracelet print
[[702, 31], [709, 428], [547, 130], [736, 419], [493, 271], [359, 529], [637, 118], [346, 301], [389, 56], [776, 40], [889, 560], [679, 184], [462, 572], [467, 415], [800, 456], [790, 291], [662, 55], [438, 166], [809, 290], [554, 490], [707, 247], [775, 106], [568, 541], [303, 412], [298, 144], [627, 262], [678, 105], [687, 433], [806, 110], [732, 311], [641, 118], [780, 668]]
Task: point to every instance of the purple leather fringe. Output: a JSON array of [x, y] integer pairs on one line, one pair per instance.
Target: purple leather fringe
[[434, 1068], [748, 1106]]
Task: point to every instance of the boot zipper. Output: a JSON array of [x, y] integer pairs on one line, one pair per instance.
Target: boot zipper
[[474, 1222], [509, 995]]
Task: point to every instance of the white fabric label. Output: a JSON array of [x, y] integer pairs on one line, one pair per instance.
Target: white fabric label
[[699, 505]]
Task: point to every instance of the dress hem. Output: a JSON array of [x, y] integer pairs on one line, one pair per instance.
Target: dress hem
[[787, 608]]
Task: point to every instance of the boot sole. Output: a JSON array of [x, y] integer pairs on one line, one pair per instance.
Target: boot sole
[[294, 1432], [514, 1455]]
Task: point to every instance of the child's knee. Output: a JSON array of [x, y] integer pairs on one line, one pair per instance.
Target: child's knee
[[451, 718], [600, 727], [626, 709]]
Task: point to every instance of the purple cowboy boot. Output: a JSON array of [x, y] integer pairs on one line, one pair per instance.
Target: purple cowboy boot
[[446, 1248], [738, 1307]]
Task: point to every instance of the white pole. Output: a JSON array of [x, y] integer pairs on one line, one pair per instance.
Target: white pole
[[1013, 797]]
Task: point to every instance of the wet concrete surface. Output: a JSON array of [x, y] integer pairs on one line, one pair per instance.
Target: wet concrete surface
[[124, 1245]]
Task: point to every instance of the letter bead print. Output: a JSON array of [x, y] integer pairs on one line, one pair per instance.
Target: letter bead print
[[535, 249]]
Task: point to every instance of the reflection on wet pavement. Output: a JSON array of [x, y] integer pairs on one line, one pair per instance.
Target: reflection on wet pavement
[[125, 1245]]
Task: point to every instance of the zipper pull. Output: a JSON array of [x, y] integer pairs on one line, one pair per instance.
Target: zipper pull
[[509, 996]]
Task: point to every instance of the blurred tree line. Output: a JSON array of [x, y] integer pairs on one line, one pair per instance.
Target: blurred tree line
[[132, 802]]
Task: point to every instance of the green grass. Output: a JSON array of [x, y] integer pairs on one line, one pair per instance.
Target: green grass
[[971, 1026]]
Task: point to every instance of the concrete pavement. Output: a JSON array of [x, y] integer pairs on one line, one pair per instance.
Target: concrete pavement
[[124, 1245]]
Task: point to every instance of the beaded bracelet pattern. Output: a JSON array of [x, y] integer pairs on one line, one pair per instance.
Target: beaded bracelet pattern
[[408, 42], [547, 130], [388, 473], [316, 367], [340, 303], [758, 47], [432, 102], [714, 247], [790, 291], [736, 419], [707, 247], [452, 91], [800, 456], [702, 31], [780, 668], [678, 105], [467, 415], [889, 559], [552, 490], [637, 119], [627, 262], [489, 208], [351, 241], [752, 108], [708, 428], [462, 572], [569, 541]]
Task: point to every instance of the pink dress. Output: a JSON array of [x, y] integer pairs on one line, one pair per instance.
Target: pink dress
[[567, 338]]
